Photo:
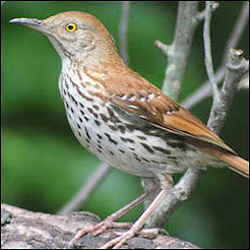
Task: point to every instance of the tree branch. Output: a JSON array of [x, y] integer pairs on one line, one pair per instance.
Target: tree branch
[[237, 66], [205, 89], [22, 229], [237, 31], [210, 6], [123, 30], [178, 52]]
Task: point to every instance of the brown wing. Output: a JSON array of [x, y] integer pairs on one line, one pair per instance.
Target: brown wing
[[132, 93]]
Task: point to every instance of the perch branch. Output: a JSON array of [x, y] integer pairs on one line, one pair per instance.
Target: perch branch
[[22, 229]]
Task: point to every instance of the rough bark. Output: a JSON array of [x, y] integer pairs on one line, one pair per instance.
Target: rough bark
[[22, 229]]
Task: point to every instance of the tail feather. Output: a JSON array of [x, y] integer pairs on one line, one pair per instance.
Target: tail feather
[[236, 163]]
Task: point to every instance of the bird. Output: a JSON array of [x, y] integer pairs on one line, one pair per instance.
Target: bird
[[122, 118]]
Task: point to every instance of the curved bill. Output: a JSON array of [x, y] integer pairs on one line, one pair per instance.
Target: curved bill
[[33, 23]]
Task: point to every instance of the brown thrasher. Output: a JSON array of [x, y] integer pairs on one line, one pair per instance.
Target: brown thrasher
[[121, 117]]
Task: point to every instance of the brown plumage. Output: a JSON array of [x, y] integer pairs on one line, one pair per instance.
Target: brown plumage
[[121, 117], [131, 92]]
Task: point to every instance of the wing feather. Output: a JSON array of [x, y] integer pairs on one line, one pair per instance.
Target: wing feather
[[129, 91]]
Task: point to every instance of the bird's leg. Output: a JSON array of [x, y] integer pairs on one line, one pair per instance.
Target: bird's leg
[[158, 218], [109, 222], [135, 229], [152, 186]]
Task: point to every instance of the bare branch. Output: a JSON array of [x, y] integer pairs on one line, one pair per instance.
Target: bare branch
[[124, 30], [162, 46], [244, 83], [22, 229], [178, 51], [238, 29], [237, 66], [205, 89], [210, 6]]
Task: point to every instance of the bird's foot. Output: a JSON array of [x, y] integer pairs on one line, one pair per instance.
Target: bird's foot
[[98, 229], [123, 237]]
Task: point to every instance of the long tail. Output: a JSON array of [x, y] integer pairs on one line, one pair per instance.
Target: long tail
[[235, 162]]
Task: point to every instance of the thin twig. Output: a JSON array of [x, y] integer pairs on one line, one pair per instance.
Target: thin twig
[[124, 30], [178, 52], [205, 89], [238, 29], [237, 67], [210, 6], [244, 82]]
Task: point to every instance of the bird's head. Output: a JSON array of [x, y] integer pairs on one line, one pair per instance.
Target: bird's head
[[74, 35]]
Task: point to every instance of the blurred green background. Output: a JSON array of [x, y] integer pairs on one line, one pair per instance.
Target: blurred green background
[[44, 165]]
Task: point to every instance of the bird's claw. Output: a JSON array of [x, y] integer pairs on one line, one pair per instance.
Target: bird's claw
[[123, 237], [98, 229], [119, 241]]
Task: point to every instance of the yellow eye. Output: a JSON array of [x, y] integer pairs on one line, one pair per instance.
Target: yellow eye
[[71, 27]]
